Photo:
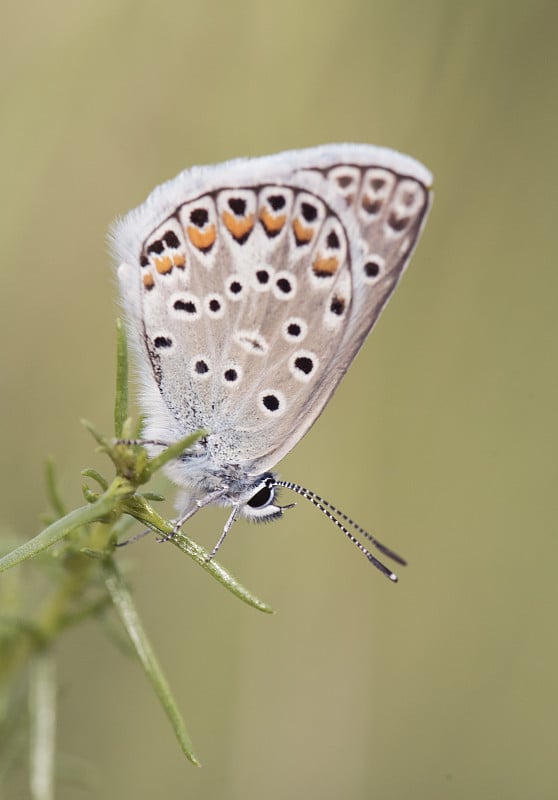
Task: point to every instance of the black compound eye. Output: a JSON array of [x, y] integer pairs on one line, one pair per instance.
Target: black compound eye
[[262, 498]]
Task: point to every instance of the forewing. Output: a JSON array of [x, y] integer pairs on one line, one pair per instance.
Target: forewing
[[252, 297], [384, 210]]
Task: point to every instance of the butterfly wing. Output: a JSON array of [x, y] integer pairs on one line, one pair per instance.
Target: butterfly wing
[[385, 201], [250, 287]]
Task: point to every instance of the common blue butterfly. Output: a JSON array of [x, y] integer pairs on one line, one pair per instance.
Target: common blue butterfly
[[248, 288]]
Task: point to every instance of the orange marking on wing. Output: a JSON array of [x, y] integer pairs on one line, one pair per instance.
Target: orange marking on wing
[[238, 227], [272, 224], [302, 234], [163, 265], [325, 266], [148, 280], [179, 260], [371, 204], [203, 240]]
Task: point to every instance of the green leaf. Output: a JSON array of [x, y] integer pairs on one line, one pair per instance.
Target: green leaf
[[52, 489], [121, 399], [139, 508], [225, 578], [96, 476], [126, 610], [65, 525], [174, 450], [99, 438]]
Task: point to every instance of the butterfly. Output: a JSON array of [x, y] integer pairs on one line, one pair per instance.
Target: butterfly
[[248, 289]]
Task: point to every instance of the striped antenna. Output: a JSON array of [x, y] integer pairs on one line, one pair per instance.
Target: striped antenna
[[332, 513]]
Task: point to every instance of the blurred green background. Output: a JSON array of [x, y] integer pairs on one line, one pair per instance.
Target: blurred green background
[[441, 439]]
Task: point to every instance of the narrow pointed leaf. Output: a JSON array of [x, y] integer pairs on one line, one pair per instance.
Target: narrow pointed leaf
[[143, 512], [126, 610], [121, 399], [174, 450], [62, 527], [201, 557], [52, 489], [96, 476]]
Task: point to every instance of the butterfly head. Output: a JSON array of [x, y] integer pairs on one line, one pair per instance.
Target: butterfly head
[[258, 504], [251, 497]]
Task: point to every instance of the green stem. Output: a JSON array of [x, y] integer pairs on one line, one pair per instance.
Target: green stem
[[42, 713]]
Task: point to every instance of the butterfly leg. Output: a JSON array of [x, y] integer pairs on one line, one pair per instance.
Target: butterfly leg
[[141, 442], [226, 529], [207, 500], [135, 538]]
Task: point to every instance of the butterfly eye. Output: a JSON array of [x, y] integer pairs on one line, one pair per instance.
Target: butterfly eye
[[262, 498], [261, 506]]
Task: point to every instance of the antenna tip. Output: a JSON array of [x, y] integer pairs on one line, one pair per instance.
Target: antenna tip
[[393, 577]]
